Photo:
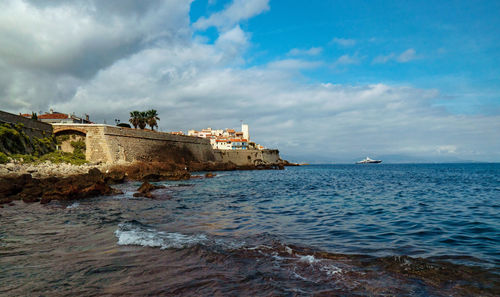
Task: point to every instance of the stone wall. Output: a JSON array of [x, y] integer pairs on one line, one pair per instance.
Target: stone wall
[[32, 128], [249, 157], [111, 144], [127, 144]]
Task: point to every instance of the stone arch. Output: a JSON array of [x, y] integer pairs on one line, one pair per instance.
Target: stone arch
[[58, 130], [65, 137]]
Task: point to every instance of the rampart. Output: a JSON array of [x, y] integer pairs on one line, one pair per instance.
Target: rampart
[[32, 128], [249, 157], [111, 144]]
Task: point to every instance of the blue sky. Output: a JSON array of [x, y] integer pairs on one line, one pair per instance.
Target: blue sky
[[323, 81], [454, 46]]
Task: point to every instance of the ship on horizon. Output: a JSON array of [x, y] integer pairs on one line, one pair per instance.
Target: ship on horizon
[[367, 160]]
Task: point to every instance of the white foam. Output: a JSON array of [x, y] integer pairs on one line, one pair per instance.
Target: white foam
[[74, 205], [308, 259], [153, 238], [331, 270]]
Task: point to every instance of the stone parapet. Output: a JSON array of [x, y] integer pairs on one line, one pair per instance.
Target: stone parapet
[[32, 128]]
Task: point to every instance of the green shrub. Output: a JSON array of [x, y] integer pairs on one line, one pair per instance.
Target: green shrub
[[3, 158], [61, 138], [62, 157], [14, 141]]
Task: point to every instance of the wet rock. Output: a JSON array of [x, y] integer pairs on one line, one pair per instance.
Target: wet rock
[[145, 190], [147, 187], [115, 177], [153, 171], [211, 166], [29, 189], [210, 175]]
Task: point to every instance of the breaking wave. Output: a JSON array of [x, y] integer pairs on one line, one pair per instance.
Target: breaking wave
[[138, 234]]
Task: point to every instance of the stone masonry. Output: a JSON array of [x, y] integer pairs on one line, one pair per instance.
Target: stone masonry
[[111, 144]]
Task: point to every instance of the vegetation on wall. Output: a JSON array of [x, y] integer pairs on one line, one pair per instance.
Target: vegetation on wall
[[13, 140], [16, 145], [143, 118]]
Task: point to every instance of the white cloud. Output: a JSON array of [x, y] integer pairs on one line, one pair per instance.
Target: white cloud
[[293, 64], [313, 51], [406, 56], [447, 149], [383, 59], [344, 42], [347, 60], [194, 85], [237, 11]]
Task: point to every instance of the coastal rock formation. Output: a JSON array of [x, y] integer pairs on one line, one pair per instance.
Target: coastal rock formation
[[29, 189], [145, 190], [47, 169], [211, 166], [152, 171]]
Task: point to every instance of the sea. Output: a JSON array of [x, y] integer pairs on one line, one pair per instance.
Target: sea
[[318, 230]]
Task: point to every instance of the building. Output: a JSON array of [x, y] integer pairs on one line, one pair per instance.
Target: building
[[228, 139], [54, 117]]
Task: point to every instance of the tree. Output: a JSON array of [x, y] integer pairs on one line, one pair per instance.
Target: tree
[[135, 118], [34, 116], [152, 118], [143, 115]]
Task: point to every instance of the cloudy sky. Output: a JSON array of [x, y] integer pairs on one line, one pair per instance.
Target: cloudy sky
[[330, 81]]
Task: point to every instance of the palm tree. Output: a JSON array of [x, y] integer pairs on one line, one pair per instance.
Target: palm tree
[[143, 116], [135, 118], [152, 118]]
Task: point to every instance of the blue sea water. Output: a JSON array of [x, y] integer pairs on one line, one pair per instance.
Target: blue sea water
[[329, 230], [448, 211]]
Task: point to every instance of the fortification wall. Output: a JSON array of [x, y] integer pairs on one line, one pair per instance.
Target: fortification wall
[[125, 144], [111, 144], [249, 157], [32, 128]]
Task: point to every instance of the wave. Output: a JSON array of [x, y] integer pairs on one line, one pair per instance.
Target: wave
[[135, 234], [305, 264]]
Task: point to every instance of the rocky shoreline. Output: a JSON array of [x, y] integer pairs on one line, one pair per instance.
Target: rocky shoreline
[[47, 181]]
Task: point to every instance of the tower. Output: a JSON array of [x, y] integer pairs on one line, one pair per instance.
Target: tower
[[244, 129]]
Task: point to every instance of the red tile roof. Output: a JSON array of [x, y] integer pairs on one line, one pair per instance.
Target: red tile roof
[[53, 116]]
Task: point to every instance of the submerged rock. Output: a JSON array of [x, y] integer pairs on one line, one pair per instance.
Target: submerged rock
[[210, 175]]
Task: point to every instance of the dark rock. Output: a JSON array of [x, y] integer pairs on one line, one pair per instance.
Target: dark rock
[[210, 175], [147, 187], [115, 177], [211, 166], [154, 171], [44, 190]]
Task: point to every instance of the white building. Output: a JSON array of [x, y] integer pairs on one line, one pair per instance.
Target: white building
[[228, 139]]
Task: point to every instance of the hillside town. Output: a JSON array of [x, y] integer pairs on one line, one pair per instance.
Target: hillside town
[[228, 139]]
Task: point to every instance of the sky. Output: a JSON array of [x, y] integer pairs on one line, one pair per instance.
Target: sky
[[322, 81]]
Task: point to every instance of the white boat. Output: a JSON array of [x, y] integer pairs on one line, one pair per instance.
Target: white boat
[[367, 160]]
